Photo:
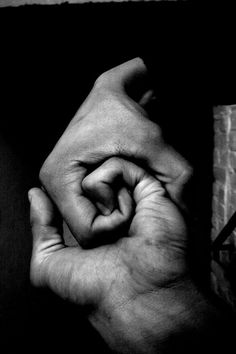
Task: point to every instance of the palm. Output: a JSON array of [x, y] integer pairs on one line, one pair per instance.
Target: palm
[[151, 257], [125, 281]]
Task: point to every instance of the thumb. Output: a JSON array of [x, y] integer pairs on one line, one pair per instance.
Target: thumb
[[130, 77], [45, 223], [67, 271]]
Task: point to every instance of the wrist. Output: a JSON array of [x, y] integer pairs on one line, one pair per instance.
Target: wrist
[[179, 319]]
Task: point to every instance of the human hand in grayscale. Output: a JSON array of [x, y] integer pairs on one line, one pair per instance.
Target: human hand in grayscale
[[118, 185], [135, 286], [111, 122]]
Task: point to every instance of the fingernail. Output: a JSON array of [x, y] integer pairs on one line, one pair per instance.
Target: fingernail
[[29, 197], [103, 209]]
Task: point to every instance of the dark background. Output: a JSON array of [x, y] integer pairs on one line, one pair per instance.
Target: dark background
[[49, 58]]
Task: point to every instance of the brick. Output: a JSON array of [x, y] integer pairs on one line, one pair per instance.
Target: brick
[[231, 210], [234, 237], [221, 125], [224, 125], [220, 141], [214, 283], [221, 224], [224, 257], [230, 240], [216, 188], [217, 270], [214, 233], [223, 157], [232, 178], [216, 157], [220, 213], [219, 111], [233, 120], [214, 204], [232, 141], [233, 107], [220, 174], [221, 285], [232, 159], [218, 224], [217, 125], [233, 198], [215, 223], [221, 195]]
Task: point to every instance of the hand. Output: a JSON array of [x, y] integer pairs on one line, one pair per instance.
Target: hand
[[111, 122], [137, 289]]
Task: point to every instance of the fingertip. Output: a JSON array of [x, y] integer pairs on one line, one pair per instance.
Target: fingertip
[[41, 208], [125, 202], [103, 209], [29, 197], [32, 192]]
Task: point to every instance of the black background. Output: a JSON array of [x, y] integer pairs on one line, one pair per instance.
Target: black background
[[49, 58]]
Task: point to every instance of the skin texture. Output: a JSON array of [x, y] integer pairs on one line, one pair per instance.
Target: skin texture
[[119, 188], [112, 122], [136, 288]]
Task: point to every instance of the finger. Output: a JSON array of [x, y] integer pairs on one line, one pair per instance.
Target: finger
[[107, 229], [99, 192], [146, 193], [76, 209], [101, 185], [44, 223], [81, 201], [142, 138], [171, 169], [41, 209], [108, 174], [89, 226], [131, 76], [71, 273], [65, 270], [168, 165]]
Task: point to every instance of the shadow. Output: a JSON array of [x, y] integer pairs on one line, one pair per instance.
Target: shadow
[[50, 57]]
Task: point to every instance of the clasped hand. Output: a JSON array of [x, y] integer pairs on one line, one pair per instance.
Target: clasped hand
[[129, 268], [128, 281]]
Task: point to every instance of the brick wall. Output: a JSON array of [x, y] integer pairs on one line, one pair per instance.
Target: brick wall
[[224, 197]]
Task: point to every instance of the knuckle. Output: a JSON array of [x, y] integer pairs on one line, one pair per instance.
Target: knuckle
[[148, 133], [186, 173], [102, 79], [114, 163], [91, 183], [46, 174], [154, 132], [43, 173], [88, 183]]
